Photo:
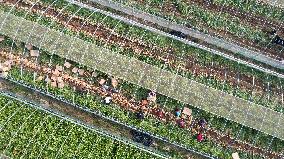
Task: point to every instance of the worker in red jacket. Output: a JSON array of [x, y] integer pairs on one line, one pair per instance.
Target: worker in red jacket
[[200, 137]]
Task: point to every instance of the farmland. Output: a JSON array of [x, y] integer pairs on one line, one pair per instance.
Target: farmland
[[230, 23], [27, 132], [109, 60], [29, 78], [240, 83]]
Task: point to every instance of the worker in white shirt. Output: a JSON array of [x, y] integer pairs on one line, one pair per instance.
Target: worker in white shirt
[[107, 100]]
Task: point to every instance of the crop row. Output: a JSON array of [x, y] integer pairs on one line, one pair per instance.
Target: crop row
[[255, 7], [88, 55], [133, 32], [176, 134], [29, 133], [93, 119], [228, 24], [92, 101], [232, 82]]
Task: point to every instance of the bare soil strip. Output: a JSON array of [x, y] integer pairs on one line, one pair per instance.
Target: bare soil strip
[[132, 70], [265, 24], [190, 64], [131, 105], [230, 48], [74, 113]]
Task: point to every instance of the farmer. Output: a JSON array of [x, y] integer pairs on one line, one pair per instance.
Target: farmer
[[140, 115], [200, 137], [152, 97], [114, 82], [181, 123], [102, 82], [202, 123], [107, 100], [177, 112], [160, 113]]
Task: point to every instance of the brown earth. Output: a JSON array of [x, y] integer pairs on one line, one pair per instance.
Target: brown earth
[[135, 106], [266, 25], [189, 64]]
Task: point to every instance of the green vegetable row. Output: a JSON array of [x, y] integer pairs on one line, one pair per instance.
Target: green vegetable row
[[30, 133], [134, 32], [30, 76], [172, 132], [193, 15], [168, 131], [273, 102], [255, 7], [45, 62]]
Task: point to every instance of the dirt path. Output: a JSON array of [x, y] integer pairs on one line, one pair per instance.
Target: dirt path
[[189, 64], [252, 20], [136, 106], [92, 119], [232, 46], [267, 25]]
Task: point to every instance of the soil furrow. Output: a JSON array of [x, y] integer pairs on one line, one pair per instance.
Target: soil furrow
[[135, 106], [169, 9], [253, 20], [188, 64]]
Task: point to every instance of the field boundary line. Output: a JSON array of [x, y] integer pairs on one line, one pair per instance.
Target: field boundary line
[[132, 70], [194, 33], [80, 123]]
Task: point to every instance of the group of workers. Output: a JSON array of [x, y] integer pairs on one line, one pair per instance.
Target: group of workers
[[200, 125], [178, 115]]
